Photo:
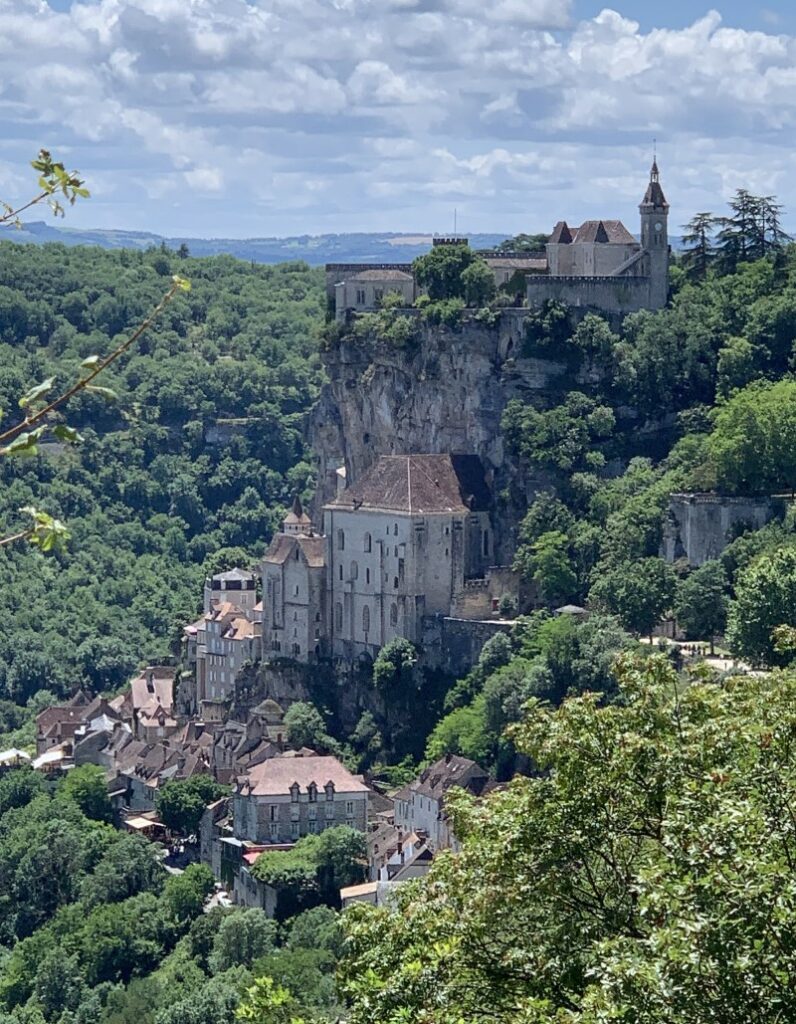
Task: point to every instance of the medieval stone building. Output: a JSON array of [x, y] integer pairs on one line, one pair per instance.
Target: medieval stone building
[[599, 266]]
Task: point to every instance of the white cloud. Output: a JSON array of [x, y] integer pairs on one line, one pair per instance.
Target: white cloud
[[376, 114]]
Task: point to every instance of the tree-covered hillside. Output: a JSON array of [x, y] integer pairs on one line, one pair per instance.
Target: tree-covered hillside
[[162, 484]]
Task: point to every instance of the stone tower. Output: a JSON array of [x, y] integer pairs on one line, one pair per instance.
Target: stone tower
[[654, 212]]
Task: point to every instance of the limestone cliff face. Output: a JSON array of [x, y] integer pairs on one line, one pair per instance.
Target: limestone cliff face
[[444, 393]]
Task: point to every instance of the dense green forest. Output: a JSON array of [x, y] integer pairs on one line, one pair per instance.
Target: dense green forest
[[94, 931], [629, 874], [152, 504]]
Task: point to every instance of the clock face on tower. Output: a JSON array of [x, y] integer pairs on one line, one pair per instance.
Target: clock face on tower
[[658, 226]]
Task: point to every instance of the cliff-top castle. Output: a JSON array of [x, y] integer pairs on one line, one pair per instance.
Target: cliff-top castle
[[599, 265]]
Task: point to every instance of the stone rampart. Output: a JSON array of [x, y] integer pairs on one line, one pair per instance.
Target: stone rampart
[[602, 294], [699, 527]]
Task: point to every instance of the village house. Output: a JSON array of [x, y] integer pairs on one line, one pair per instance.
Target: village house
[[294, 795], [226, 637], [152, 699], [420, 806]]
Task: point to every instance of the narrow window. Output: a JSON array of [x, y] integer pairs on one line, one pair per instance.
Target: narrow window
[[393, 614], [341, 571], [395, 530], [367, 575], [368, 543], [365, 619], [341, 540], [354, 571], [338, 617]]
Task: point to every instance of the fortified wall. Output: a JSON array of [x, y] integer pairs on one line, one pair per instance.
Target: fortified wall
[[699, 527], [607, 296]]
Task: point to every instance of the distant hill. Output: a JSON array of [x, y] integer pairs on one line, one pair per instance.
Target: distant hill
[[386, 247]]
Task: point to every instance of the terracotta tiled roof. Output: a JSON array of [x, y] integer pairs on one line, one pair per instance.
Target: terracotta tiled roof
[[275, 776], [420, 484], [161, 680], [239, 629]]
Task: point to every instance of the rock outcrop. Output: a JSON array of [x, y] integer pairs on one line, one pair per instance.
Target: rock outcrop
[[445, 392]]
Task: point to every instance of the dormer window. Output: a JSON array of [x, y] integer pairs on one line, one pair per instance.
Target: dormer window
[[329, 790], [312, 792], [295, 790]]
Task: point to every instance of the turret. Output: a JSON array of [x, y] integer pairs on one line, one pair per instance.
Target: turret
[[297, 521], [654, 212]]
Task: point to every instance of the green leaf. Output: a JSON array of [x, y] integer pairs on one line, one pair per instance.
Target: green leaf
[[37, 392], [107, 393], [66, 433], [25, 444]]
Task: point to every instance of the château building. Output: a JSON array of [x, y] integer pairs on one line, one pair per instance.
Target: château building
[[598, 265]]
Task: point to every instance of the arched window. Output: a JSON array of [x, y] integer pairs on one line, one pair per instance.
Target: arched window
[[368, 544], [354, 571], [393, 614], [312, 792], [365, 619], [338, 616], [395, 530], [341, 540]]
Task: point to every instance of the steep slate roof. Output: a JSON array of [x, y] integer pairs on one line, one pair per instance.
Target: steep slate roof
[[561, 234], [612, 232], [297, 514], [275, 776], [283, 545], [450, 770], [420, 485], [654, 195]]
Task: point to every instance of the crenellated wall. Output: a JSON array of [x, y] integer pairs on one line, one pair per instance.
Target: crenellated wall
[[602, 294]]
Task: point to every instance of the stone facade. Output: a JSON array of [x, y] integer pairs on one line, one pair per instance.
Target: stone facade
[[600, 266], [288, 797], [699, 527], [402, 543]]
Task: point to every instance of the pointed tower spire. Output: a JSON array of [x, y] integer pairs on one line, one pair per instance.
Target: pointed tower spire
[[296, 521], [654, 199]]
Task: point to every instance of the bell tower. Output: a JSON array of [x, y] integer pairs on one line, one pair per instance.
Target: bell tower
[[654, 212]]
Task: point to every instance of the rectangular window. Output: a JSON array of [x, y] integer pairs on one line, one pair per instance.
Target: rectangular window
[[349, 808], [294, 829], [273, 830], [273, 813]]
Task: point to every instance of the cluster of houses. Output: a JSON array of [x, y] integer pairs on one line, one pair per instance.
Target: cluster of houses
[[278, 795]]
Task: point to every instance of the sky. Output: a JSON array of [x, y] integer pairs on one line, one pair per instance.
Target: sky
[[241, 118]]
